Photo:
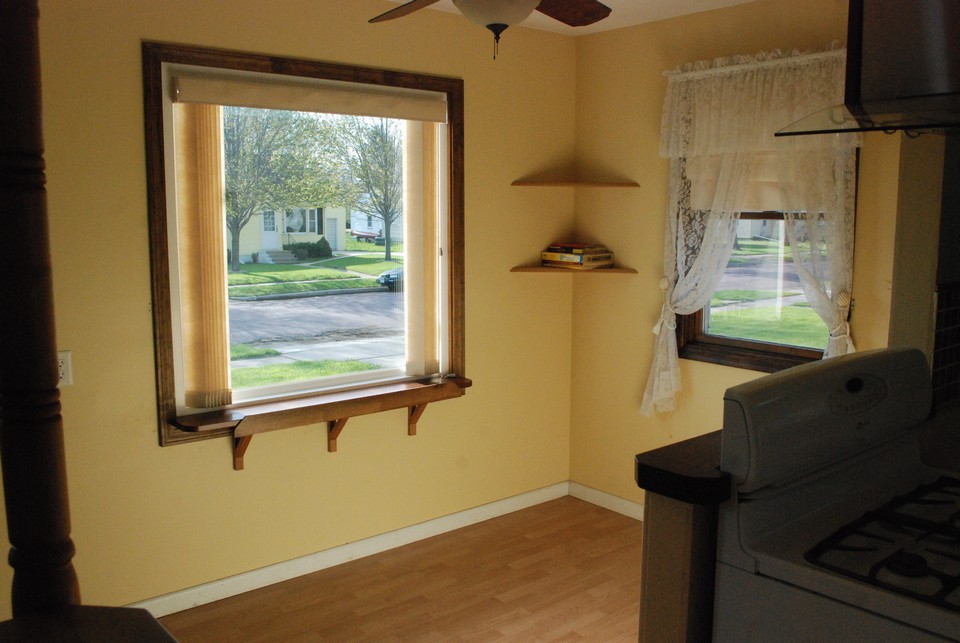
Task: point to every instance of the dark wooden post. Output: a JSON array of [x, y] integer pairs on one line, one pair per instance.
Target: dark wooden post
[[31, 427]]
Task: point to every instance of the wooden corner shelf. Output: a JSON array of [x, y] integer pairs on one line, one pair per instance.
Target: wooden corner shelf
[[575, 183], [536, 268]]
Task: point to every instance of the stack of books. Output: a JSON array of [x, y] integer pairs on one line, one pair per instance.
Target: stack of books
[[577, 256]]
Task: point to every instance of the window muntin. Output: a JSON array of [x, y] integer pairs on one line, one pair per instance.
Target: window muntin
[[158, 59]]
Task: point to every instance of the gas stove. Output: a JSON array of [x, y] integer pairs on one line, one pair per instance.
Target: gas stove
[[836, 529], [911, 545]]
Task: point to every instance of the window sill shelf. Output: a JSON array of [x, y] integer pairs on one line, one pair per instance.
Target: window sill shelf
[[334, 408]]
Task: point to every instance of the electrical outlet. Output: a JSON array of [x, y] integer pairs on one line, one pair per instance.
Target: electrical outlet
[[65, 366]]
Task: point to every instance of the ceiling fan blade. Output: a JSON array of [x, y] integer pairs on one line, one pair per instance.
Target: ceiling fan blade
[[403, 10], [576, 13]]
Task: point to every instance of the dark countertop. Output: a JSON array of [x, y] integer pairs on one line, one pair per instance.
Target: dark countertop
[[688, 471], [86, 624]]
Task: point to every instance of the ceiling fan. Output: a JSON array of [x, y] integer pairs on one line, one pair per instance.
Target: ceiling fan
[[497, 15]]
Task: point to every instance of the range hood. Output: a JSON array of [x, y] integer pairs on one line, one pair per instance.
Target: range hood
[[903, 70]]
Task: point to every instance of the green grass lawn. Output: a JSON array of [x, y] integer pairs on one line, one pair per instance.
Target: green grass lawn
[[758, 247], [748, 250], [246, 351], [794, 326], [302, 286], [369, 265], [252, 376], [353, 245], [272, 273], [258, 279], [724, 297]]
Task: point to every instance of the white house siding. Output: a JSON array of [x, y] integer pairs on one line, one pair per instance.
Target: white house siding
[[363, 223], [254, 240]]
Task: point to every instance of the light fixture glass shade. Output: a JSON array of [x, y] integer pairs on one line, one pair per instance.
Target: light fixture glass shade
[[496, 12]]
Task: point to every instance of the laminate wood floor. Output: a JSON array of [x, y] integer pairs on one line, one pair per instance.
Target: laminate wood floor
[[565, 570]]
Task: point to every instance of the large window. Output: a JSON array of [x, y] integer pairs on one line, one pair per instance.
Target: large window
[[259, 299]]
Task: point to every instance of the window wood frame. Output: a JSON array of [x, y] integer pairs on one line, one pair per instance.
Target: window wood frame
[[177, 429], [694, 344]]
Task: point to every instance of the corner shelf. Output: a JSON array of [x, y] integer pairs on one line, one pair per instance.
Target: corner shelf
[[574, 183], [535, 268]]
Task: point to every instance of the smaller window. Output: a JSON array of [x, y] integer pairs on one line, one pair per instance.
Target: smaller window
[[758, 317], [295, 220], [315, 220], [269, 221]]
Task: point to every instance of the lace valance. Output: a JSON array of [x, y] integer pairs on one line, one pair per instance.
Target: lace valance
[[736, 104]]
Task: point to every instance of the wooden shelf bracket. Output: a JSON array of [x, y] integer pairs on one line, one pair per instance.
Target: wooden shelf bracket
[[334, 409], [239, 449], [413, 416], [334, 427]]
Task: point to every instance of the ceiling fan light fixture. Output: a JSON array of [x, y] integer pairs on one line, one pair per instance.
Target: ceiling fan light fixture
[[496, 12], [496, 15]]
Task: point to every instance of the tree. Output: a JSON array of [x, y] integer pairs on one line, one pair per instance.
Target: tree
[[374, 149], [274, 159]]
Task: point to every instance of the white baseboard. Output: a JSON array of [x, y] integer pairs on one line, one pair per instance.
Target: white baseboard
[[257, 578], [606, 500]]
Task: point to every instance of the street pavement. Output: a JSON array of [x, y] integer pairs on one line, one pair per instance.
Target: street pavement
[[366, 326], [763, 273]]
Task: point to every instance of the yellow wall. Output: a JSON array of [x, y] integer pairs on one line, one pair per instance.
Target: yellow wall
[[620, 89], [149, 520], [557, 387]]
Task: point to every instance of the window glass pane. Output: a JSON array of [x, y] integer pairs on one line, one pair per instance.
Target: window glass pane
[[269, 221], [302, 306], [759, 297]]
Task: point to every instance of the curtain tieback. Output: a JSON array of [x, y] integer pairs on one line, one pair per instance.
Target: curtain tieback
[[842, 329], [668, 316]]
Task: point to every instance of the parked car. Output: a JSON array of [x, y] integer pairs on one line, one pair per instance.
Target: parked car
[[392, 279]]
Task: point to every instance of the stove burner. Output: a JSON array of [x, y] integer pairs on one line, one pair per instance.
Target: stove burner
[[911, 545], [907, 564]]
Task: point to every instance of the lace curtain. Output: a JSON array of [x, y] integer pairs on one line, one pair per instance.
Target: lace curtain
[[719, 118]]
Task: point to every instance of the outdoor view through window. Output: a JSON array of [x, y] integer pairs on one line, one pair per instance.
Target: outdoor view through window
[[759, 297], [315, 247]]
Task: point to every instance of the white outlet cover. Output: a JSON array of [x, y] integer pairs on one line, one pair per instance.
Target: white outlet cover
[[65, 364]]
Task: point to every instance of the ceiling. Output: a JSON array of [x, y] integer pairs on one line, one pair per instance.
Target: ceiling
[[624, 14]]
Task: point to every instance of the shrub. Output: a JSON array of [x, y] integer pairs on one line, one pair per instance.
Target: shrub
[[324, 249], [306, 251]]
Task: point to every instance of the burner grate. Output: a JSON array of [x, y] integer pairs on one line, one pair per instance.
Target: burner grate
[[911, 545]]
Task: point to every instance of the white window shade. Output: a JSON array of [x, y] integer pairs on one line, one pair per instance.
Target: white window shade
[[758, 189], [307, 95]]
